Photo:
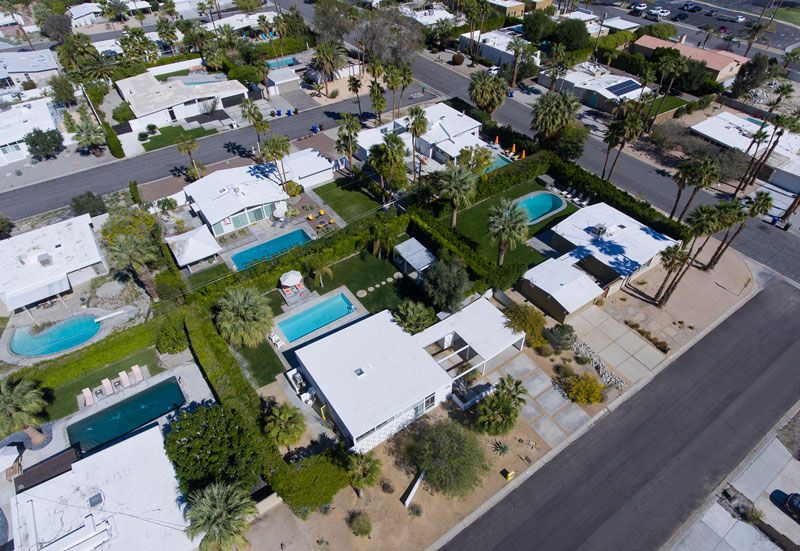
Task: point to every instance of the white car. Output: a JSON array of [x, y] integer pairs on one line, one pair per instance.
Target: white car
[[737, 18], [640, 7], [493, 70], [659, 12]]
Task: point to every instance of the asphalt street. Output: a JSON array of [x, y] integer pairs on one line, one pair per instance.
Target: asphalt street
[[638, 474]]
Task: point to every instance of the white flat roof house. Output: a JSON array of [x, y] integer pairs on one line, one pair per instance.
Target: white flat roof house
[[192, 247], [559, 288], [121, 498], [47, 261], [429, 17], [596, 87], [233, 198], [729, 130], [17, 121], [240, 21], [37, 66], [85, 14], [308, 167], [493, 45], [376, 378], [615, 24], [163, 103], [510, 8]]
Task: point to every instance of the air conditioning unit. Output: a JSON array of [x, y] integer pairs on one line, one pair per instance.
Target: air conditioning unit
[[599, 229]]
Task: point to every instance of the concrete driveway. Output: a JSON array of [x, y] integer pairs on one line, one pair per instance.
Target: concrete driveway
[[717, 530]]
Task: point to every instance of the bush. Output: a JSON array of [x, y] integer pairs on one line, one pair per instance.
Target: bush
[[446, 284], [415, 510], [172, 336], [245, 74], [123, 112], [360, 523], [44, 144], [133, 189], [545, 350], [582, 360], [584, 389], [96, 91], [293, 189], [311, 482], [169, 285], [69, 122], [386, 486], [151, 128], [333, 94], [88, 203], [563, 336], [114, 145], [526, 318], [502, 278], [659, 30], [28, 85], [457, 59], [63, 90], [143, 136]]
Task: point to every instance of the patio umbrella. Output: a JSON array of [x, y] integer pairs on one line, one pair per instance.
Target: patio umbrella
[[513, 148], [280, 210], [8, 455], [292, 278], [497, 139]]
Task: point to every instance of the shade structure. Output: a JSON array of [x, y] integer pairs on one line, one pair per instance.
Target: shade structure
[[8, 455], [290, 279]]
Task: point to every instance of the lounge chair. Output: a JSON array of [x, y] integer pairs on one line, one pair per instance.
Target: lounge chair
[[322, 212], [123, 377], [137, 374], [585, 201], [88, 400], [108, 388], [310, 217], [276, 340]]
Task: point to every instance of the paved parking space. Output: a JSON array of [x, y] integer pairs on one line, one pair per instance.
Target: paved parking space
[[622, 348]]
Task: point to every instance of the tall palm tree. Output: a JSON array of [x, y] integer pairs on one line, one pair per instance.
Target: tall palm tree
[[631, 126], [674, 67], [114, 10], [284, 425], [406, 79], [392, 80], [758, 138], [647, 76], [508, 225], [354, 86], [781, 125], [388, 159], [378, 99], [252, 114], [328, 59], [166, 31], [517, 47], [757, 206], [512, 389], [133, 253], [363, 470], [276, 147], [729, 214], [457, 186], [753, 32], [417, 126], [228, 38], [220, 512], [317, 268], [375, 70], [672, 258], [683, 178], [487, 91], [215, 58], [21, 404], [243, 317], [89, 135], [187, 145], [348, 136], [612, 140], [705, 174], [281, 26], [9, 7], [552, 114]]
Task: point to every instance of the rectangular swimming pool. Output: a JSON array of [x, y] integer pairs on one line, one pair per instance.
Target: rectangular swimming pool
[[282, 62], [269, 249], [130, 414], [316, 317], [499, 162]]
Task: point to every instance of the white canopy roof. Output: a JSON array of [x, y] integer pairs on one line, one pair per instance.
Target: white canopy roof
[[8, 455], [282, 76], [415, 254], [192, 246], [568, 285]]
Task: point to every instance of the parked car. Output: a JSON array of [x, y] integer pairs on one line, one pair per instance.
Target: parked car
[[658, 13], [792, 505], [639, 7], [713, 13], [724, 30], [734, 18], [493, 70], [691, 7], [681, 17]]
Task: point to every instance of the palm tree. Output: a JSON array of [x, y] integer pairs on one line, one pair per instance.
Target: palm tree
[[354, 86], [758, 138], [496, 415], [683, 178], [220, 512], [276, 147], [166, 31], [782, 124], [630, 127], [281, 25], [284, 425], [114, 10], [517, 47], [704, 175], [21, 403], [363, 470], [187, 144], [757, 206], [317, 268], [133, 253], [612, 140], [406, 79], [674, 67], [9, 7], [729, 214], [458, 186], [348, 136], [328, 59], [512, 389], [378, 99], [792, 56], [375, 70], [551, 114], [672, 258], [215, 58], [252, 114], [754, 32], [228, 38], [417, 126], [647, 75], [413, 316], [487, 91], [243, 317], [508, 225], [89, 135], [387, 158], [392, 80]]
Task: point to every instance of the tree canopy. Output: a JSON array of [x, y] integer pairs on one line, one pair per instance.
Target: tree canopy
[[446, 283]]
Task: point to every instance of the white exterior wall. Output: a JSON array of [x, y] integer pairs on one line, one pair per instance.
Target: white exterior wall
[[786, 180], [173, 67], [86, 20], [39, 77], [161, 118], [13, 156], [86, 274], [498, 57]]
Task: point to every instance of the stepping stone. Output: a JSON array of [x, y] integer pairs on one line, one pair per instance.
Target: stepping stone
[[389, 279], [370, 289], [361, 293], [397, 275]]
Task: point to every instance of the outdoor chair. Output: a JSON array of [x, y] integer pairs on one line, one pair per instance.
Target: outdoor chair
[[123, 377], [88, 400], [108, 388], [137, 374]]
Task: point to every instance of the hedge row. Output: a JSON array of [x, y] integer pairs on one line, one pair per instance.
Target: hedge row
[[114, 145]]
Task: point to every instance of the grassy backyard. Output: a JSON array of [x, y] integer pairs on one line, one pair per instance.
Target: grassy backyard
[[64, 400], [199, 279], [170, 135], [263, 364], [472, 225], [346, 198], [165, 76]]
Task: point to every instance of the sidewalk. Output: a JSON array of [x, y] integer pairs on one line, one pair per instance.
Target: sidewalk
[[28, 172]]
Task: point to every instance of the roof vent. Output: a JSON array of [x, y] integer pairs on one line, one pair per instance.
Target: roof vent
[[45, 259], [96, 500], [359, 372], [599, 229]]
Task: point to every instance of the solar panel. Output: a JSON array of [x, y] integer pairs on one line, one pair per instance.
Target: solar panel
[[624, 87]]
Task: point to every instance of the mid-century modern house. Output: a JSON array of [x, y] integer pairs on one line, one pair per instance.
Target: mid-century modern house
[[720, 64], [511, 8], [231, 199], [83, 15], [428, 17], [20, 119], [559, 288], [494, 45], [164, 103], [193, 247], [375, 379], [242, 22], [19, 67], [45, 262], [119, 498], [449, 131], [596, 87]]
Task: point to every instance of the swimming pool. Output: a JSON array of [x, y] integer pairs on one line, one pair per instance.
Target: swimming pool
[[129, 414], [269, 249], [755, 121], [316, 317], [282, 62], [63, 335], [541, 204], [499, 162]]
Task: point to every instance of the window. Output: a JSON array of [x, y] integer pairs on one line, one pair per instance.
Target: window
[[257, 214], [240, 220], [430, 401], [218, 228]]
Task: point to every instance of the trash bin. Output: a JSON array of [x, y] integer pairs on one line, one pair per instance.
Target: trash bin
[[511, 93]]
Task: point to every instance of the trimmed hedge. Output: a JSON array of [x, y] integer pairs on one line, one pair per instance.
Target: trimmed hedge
[[311, 482], [114, 145]]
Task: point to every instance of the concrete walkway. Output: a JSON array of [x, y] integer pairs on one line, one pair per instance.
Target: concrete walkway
[[717, 530]]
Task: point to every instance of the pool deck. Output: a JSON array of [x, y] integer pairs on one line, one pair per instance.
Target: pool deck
[[548, 214], [56, 314], [360, 312], [192, 383]]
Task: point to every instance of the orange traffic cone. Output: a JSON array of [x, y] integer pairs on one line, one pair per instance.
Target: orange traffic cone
[[514, 148], [497, 140], [523, 153]]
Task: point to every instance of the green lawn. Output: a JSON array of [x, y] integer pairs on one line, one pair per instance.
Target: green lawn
[[63, 400], [170, 135], [199, 279], [165, 76], [346, 198], [790, 15], [670, 103], [472, 225]]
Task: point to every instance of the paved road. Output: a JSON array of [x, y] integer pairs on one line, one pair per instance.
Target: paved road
[[642, 470]]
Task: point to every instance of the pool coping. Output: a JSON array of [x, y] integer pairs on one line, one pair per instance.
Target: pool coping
[[549, 214], [361, 312], [227, 256]]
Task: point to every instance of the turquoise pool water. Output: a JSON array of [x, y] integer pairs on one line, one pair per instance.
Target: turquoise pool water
[[316, 317], [282, 62], [130, 414], [61, 336], [755, 121], [499, 162], [269, 249], [540, 205]]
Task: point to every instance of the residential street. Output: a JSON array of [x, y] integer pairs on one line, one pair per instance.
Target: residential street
[[642, 470]]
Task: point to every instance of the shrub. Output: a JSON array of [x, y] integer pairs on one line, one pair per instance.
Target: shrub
[[88, 203], [171, 335], [151, 128], [545, 350], [293, 189], [69, 122], [123, 113], [169, 285], [415, 510], [360, 523], [446, 284], [457, 59], [28, 85], [311, 482], [563, 336], [582, 360], [143, 136], [584, 389], [44, 144], [386, 486], [496, 415], [245, 74], [526, 318], [333, 94], [114, 145], [133, 189], [503, 277]]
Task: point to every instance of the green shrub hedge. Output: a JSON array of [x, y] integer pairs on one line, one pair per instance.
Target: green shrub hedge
[[112, 140], [443, 240], [312, 482], [172, 337]]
